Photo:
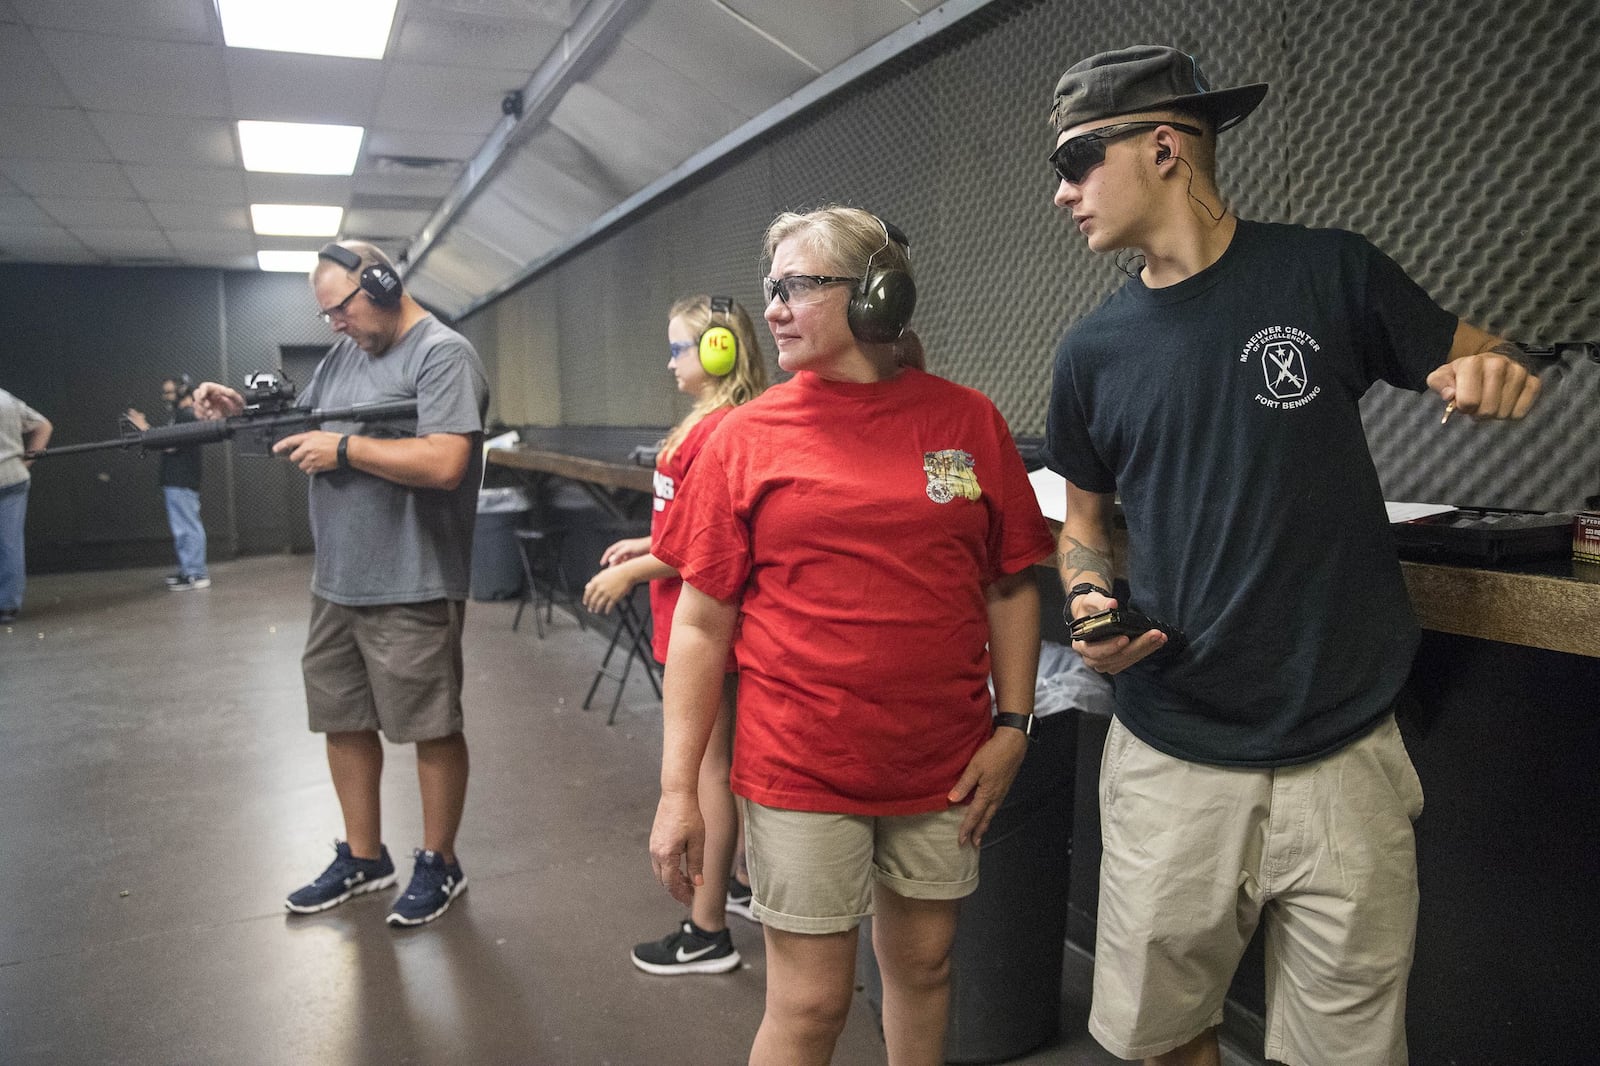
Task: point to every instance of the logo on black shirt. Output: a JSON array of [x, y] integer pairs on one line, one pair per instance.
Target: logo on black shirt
[[1286, 375]]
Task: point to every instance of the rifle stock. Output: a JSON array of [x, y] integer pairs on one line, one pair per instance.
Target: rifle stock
[[280, 423]]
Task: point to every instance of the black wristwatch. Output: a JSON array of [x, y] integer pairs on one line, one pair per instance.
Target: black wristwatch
[[1023, 722], [344, 452], [1078, 590]]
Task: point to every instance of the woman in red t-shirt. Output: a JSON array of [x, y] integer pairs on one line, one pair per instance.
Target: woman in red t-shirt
[[717, 360], [863, 536]]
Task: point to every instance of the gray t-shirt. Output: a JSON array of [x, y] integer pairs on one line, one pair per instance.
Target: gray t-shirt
[[379, 542], [16, 419]]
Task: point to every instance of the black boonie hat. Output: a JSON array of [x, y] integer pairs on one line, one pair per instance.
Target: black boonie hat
[[1148, 77]]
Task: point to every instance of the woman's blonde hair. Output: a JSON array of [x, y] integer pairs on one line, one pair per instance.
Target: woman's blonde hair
[[743, 383], [847, 239]]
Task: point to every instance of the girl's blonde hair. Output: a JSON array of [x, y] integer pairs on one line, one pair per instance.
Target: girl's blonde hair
[[743, 383]]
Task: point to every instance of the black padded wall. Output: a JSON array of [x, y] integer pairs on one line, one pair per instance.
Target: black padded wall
[[1457, 135]]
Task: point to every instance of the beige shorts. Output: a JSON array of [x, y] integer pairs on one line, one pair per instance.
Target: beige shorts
[[1196, 855], [812, 872], [391, 667]]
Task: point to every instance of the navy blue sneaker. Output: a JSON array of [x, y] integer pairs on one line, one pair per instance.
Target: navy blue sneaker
[[434, 885], [346, 876]]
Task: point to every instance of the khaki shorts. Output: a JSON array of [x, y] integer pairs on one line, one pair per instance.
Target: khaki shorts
[[813, 872], [391, 667], [1196, 855]]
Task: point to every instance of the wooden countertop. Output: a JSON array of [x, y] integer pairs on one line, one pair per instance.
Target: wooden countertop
[[1558, 609], [579, 468], [1552, 604]]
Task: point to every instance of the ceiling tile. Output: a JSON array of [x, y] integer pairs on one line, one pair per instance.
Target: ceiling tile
[[178, 217], [197, 242], [206, 185], [161, 20], [50, 133], [265, 188], [426, 144], [126, 243], [99, 214], [26, 76], [518, 41], [171, 141], [285, 87], [448, 99], [68, 177], [18, 211], [42, 244], [145, 77]]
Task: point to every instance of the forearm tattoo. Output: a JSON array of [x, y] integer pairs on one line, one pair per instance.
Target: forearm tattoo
[[1079, 562]]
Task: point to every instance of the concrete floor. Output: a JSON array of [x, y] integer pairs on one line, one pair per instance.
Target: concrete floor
[[161, 795]]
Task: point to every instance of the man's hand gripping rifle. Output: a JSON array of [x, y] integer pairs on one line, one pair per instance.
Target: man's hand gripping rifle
[[268, 415]]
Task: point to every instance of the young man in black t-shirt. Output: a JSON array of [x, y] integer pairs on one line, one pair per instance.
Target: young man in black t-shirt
[[1254, 768], [180, 488]]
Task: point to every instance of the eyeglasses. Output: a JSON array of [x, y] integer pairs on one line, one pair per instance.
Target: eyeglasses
[[340, 308], [679, 347], [1075, 157], [802, 286]]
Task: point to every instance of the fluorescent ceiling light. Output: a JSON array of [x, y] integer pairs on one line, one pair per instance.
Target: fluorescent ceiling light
[[357, 28], [296, 220], [293, 262], [299, 147]]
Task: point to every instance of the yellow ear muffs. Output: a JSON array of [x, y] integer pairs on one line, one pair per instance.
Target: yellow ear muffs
[[719, 348]]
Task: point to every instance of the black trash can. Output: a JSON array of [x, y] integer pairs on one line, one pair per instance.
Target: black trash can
[[1005, 984], [496, 568]]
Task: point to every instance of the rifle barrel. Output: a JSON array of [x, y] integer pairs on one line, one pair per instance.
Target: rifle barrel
[[209, 431]]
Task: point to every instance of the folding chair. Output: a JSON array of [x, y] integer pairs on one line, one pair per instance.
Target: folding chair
[[632, 637], [544, 579]]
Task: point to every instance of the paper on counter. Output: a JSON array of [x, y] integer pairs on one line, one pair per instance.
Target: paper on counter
[[1050, 489], [1410, 512]]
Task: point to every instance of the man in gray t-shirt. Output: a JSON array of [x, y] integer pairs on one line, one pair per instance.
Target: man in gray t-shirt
[[392, 509]]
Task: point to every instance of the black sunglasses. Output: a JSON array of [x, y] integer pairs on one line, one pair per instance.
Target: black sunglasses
[[1074, 158]]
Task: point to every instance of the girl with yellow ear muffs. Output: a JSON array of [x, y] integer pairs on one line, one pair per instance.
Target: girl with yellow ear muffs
[[717, 360]]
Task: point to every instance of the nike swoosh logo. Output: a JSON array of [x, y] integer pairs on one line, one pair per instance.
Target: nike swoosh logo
[[690, 956]]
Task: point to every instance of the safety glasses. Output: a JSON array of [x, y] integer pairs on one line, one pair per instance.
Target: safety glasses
[[1075, 157], [798, 286]]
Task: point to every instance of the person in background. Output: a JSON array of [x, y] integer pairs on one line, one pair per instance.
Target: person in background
[[22, 430], [1254, 770], [716, 359], [180, 486], [392, 511], [862, 535]]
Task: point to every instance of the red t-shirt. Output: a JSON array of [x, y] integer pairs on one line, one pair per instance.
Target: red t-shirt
[[858, 525], [664, 591]]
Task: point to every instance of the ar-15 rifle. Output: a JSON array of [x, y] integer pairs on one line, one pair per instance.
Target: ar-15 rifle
[[269, 414]]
